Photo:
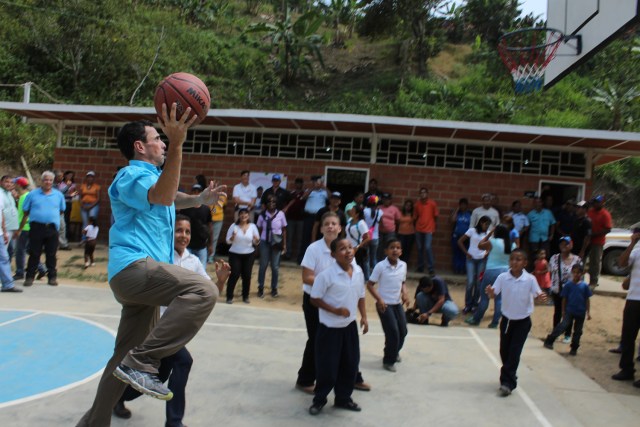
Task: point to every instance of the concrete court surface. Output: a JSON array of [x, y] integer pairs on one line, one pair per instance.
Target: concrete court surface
[[246, 360]]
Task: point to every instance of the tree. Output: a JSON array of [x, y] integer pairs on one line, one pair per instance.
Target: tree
[[618, 102], [293, 42], [491, 18], [424, 19]]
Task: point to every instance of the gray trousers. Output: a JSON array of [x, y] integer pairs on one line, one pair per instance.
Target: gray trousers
[[595, 263], [143, 338]]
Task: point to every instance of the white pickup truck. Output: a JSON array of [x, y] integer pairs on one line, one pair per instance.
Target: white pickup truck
[[616, 242]]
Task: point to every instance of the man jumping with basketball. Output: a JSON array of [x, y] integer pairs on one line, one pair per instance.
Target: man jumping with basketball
[[141, 271]]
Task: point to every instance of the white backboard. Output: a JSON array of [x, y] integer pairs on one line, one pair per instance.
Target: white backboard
[[598, 22]]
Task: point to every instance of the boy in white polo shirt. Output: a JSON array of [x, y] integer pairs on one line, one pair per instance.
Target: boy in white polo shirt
[[391, 274], [338, 292], [518, 289]]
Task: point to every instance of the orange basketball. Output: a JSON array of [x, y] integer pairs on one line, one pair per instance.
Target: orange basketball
[[186, 90]]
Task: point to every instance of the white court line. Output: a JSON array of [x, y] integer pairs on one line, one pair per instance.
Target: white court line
[[252, 327], [18, 319], [520, 391]]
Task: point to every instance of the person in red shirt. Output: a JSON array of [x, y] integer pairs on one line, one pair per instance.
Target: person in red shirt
[[600, 227], [388, 224], [425, 215]]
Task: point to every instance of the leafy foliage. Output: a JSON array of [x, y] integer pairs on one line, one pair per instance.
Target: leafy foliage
[[294, 42]]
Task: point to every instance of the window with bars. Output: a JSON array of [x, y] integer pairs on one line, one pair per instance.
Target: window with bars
[[356, 149]]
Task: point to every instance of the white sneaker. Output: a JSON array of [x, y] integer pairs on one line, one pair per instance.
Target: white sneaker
[[566, 340]]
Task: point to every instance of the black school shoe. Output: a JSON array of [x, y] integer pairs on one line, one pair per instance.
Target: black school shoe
[[121, 411], [316, 408], [622, 376], [350, 406]]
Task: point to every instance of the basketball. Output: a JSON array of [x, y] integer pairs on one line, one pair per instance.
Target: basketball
[[186, 90]]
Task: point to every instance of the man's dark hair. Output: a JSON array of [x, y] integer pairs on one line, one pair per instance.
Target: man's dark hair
[[515, 202], [425, 282], [245, 171], [130, 133], [5, 177], [463, 200]]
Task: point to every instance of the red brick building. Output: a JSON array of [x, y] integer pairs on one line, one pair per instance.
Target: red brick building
[[451, 159]]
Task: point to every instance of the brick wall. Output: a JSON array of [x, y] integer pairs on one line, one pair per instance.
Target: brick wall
[[445, 186]]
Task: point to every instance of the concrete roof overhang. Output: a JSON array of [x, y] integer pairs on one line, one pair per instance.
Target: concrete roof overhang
[[605, 146]]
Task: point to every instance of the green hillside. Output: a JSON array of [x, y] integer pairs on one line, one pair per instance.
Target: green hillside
[[408, 58]]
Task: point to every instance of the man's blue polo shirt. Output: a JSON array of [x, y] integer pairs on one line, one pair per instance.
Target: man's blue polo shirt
[[44, 208], [540, 223], [140, 229]]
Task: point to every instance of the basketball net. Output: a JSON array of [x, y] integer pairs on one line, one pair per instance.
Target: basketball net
[[526, 53]]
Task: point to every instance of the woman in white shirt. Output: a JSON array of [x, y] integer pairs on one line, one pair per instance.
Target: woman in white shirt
[[476, 261], [243, 236]]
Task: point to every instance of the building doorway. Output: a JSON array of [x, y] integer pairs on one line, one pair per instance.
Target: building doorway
[[348, 181]]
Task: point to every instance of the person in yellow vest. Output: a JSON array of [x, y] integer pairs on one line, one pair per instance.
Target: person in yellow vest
[[217, 219]]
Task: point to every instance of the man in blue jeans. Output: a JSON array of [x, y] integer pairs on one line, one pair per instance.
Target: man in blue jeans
[[425, 215], [432, 296]]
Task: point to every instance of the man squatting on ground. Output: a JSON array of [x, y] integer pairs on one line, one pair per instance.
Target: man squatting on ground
[[141, 272]]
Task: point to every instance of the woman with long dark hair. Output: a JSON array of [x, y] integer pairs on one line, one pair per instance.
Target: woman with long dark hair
[[499, 244], [476, 260], [243, 236]]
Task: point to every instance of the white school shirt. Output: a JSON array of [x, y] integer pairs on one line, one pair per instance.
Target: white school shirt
[[245, 194], [189, 262], [336, 288], [92, 232], [356, 231], [634, 284], [317, 257], [389, 279], [243, 242], [517, 294]]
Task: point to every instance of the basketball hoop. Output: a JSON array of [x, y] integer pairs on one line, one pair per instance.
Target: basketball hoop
[[526, 53]]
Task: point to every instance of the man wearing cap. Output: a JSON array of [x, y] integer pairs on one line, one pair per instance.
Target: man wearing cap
[[89, 199], [42, 207], [9, 212], [581, 231], [334, 206], [485, 210], [201, 227], [281, 195], [600, 226], [8, 284], [631, 315]]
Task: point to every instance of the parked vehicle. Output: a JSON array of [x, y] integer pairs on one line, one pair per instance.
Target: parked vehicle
[[616, 242]]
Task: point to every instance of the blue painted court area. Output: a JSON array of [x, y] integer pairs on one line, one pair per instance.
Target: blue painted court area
[[41, 353]]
